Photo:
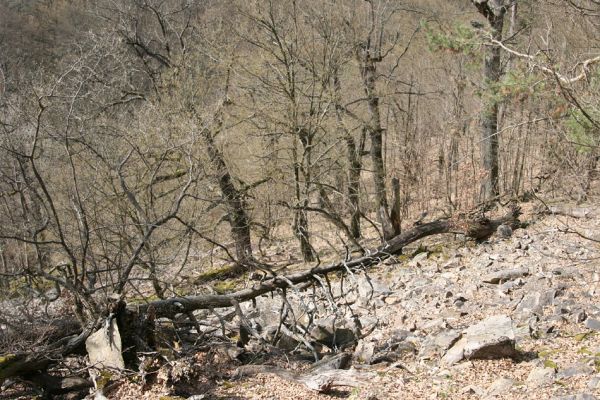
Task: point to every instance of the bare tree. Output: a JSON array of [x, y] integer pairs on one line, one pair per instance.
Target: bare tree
[[493, 11]]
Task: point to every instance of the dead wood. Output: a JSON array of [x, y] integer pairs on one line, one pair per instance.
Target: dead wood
[[567, 211], [473, 227], [322, 376], [137, 321]]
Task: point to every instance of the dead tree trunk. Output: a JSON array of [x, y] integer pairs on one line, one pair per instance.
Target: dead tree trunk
[[137, 320]]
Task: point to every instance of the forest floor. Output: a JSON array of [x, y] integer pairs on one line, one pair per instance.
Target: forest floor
[[423, 302], [554, 308]]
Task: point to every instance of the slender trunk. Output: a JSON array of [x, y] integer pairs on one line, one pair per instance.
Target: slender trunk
[[300, 217], [234, 201], [354, 186], [396, 213], [369, 76], [354, 159], [494, 13]]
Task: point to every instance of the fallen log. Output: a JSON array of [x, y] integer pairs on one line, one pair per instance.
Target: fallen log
[[320, 381], [476, 228], [567, 211], [136, 321], [322, 376]]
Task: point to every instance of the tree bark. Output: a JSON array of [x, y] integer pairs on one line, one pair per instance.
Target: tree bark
[[368, 71], [234, 202], [493, 11]]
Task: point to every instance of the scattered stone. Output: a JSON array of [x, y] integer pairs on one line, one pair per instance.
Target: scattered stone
[[594, 383], [492, 338], [540, 376], [500, 386], [504, 231], [592, 324], [575, 370], [332, 332], [579, 396], [364, 351], [506, 275], [418, 260]]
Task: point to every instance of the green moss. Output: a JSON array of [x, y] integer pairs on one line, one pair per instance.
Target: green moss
[[550, 364], [227, 384], [217, 273], [171, 398], [580, 337], [104, 378], [225, 286], [6, 358]]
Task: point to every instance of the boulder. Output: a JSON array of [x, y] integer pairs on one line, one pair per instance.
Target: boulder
[[540, 376], [104, 347], [492, 338]]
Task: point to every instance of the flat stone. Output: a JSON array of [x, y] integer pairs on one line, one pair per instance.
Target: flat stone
[[492, 338], [575, 370], [506, 275], [540, 376], [104, 347], [500, 386], [594, 383], [592, 324]]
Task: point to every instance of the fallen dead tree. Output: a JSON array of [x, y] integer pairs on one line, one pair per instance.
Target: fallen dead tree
[[136, 322], [567, 211]]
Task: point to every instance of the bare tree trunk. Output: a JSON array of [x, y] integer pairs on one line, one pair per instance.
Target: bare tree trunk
[[493, 11], [396, 214], [354, 158], [300, 218], [368, 70], [234, 202]]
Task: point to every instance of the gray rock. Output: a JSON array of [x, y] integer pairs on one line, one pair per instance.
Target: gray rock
[[592, 324], [500, 386], [332, 333], [419, 259], [575, 370], [504, 231], [493, 337], [104, 347], [540, 376], [339, 361], [364, 351], [578, 396], [506, 275], [594, 383], [375, 288]]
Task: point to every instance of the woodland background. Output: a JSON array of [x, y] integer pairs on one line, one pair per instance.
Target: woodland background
[[147, 143]]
